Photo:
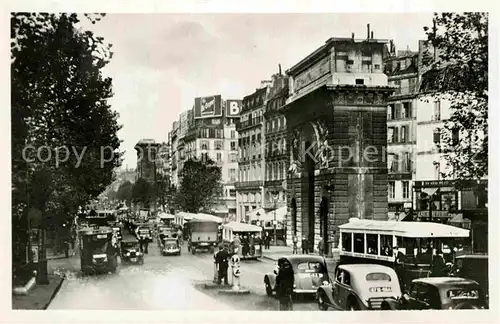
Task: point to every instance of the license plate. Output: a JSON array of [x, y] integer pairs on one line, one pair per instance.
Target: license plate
[[380, 289], [133, 259], [315, 275]]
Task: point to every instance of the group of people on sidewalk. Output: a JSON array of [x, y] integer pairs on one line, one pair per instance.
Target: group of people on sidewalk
[[306, 247]]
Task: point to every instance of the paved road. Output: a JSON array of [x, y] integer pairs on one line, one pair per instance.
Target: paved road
[[163, 283]]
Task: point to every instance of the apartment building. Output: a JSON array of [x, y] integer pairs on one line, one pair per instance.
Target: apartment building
[[173, 140], [212, 134], [276, 154], [251, 168], [402, 72]]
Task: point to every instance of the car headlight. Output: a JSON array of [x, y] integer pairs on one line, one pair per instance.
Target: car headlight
[[94, 261], [106, 259], [294, 286], [128, 253], [325, 283]]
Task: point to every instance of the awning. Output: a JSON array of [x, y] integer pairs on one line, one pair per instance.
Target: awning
[[166, 216], [208, 217], [430, 191], [242, 227], [280, 214]]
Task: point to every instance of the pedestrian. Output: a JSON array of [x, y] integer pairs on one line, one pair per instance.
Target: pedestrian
[[399, 257], [179, 236], [221, 259], [321, 247], [438, 268], [284, 285], [295, 240], [267, 241], [236, 243], [305, 245]]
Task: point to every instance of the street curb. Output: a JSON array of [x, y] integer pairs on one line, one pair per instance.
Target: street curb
[[269, 258], [234, 292], [54, 294]]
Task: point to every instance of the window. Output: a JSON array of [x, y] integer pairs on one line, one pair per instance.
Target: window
[[406, 162], [406, 189], [219, 157], [359, 243], [395, 136], [437, 110], [455, 136], [372, 243], [392, 192], [233, 134], [390, 111], [360, 81], [310, 267], [347, 242], [204, 145], [343, 277], [437, 136], [378, 276], [204, 156], [232, 174], [386, 245], [233, 145], [218, 145], [233, 157], [390, 135], [403, 134], [406, 113]]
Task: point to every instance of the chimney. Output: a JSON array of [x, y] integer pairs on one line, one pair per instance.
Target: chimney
[[352, 35], [372, 35], [279, 65], [368, 31]]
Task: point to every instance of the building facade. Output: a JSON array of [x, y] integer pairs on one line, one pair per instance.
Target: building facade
[[251, 167], [337, 129], [146, 150], [402, 72], [276, 153]]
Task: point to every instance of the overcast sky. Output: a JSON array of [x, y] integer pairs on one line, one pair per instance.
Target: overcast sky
[[163, 61]]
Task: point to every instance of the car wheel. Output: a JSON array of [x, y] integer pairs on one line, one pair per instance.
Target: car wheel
[[193, 251], [269, 289], [321, 302], [353, 306]]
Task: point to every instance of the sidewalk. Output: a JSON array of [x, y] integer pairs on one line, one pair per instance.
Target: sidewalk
[[40, 297], [275, 252]]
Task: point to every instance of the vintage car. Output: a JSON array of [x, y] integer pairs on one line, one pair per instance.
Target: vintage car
[[130, 251], [440, 293], [170, 246], [359, 287], [310, 273]]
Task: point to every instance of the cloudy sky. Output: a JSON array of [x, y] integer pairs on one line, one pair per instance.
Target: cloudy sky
[[163, 61]]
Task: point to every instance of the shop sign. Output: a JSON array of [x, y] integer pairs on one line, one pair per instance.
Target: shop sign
[[435, 214]]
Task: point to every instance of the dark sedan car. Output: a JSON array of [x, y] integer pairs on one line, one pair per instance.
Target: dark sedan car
[[440, 293], [310, 273]]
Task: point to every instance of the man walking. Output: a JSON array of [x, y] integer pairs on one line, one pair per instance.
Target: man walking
[[221, 259], [321, 247], [284, 285], [267, 241], [305, 247], [295, 240]]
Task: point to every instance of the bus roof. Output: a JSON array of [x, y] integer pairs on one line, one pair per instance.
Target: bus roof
[[242, 227], [404, 229]]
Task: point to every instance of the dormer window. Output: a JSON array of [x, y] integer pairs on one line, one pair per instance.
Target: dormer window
[[402, 64]]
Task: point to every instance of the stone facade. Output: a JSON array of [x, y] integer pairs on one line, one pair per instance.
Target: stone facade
[[337, 130]]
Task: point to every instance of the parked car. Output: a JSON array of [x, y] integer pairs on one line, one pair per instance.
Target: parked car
[[440, 293], [310, 273], [359, 287]]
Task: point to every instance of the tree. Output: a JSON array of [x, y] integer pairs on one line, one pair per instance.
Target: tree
[[200, 186], [144, 193], [458, 71], [60, 105], [124, 192]]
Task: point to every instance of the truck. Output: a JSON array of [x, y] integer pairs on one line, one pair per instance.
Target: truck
[[97, 254], [203, 235]]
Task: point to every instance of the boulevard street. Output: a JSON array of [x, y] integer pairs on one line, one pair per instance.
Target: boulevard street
[[163, 283]]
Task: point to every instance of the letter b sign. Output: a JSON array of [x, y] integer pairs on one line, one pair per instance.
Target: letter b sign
[[234, 108]]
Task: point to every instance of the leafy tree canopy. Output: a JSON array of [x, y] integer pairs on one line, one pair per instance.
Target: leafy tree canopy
[[200, 186], [457, 62], [143, 192], [125, 192]]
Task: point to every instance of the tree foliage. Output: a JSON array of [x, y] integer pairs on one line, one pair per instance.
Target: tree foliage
[[200, 186], [143, 192], [124, 192], [457, 62], [60, 102]]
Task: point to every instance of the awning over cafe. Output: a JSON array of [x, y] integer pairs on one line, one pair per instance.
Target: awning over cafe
[[430, 191], [253, 213], [280, 214], [242, 227]]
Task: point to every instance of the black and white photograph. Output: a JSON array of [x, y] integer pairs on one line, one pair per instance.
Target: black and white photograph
[[245, 161]]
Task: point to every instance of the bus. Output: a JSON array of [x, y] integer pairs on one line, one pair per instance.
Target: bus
[[373, 241]]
